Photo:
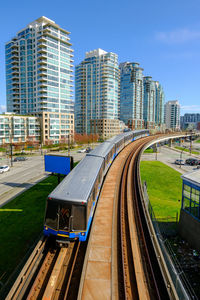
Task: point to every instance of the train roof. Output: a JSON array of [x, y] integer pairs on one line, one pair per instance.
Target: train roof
[[77, 185], [116, 138], [102, 150]]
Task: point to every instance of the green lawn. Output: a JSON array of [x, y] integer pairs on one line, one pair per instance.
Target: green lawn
[[197, 141], [187, 150], [21, 223], [164, 187], [148, 150]]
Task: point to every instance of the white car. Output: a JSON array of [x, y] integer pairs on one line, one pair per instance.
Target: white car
[[4, 169], [81, 151]]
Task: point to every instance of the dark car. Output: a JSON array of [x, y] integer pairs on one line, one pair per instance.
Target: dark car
[[20, 158], [88, 149], [179, 162], [192, 161]]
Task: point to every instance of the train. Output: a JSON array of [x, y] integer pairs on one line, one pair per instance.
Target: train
[[70, 206]]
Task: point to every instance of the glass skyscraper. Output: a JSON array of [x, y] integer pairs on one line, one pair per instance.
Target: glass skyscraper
[[131, 94], [96, 89], [160, 104], [39, 74], [149, 102]]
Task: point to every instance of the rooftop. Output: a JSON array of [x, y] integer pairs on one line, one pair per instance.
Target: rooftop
[[192, 177]]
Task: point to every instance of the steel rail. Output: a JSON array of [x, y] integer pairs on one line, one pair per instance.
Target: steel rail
[[23, 280]]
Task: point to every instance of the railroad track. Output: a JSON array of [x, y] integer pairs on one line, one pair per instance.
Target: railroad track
[[140, 274], [51, 276]]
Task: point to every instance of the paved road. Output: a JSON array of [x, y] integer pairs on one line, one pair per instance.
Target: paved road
[[25, 174]]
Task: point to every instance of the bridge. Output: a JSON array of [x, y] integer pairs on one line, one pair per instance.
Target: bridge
[[124, 257]]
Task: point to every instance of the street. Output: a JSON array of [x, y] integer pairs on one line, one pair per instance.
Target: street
[[25, 174]]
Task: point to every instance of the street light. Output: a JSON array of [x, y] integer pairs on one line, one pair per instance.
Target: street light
[[181, 154]]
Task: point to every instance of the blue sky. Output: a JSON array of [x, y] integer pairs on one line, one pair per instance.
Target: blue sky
[[163, 36]]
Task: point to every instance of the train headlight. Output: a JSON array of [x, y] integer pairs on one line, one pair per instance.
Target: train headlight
[[46, 228], [83, 233]]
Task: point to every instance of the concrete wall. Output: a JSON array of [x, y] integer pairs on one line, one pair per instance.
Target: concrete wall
[[189, 229]]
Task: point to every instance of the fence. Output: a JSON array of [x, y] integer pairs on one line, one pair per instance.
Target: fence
[[162, 231]]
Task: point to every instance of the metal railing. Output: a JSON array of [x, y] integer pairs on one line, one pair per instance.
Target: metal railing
[[183, 288]]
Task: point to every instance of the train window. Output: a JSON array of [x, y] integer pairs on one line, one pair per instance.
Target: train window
[[64, 217], [51, 218], [79, 218]]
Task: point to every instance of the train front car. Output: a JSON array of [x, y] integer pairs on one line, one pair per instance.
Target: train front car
[[70, 207]]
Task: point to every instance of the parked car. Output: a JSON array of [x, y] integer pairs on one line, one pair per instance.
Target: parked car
[[4, 169], [179, 162], [82, 151], [20, 158], [192, 162]]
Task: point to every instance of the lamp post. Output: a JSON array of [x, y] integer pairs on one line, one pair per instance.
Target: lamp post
[[190, 145], [181, 154], [68, 144]]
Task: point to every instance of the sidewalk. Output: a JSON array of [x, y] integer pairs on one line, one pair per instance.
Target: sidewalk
[[16, 191]]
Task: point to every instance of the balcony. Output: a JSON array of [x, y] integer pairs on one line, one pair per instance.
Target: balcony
[[15, 67], [14, 46], [43, 67], [42, 61], [43, 78], [42, 55], [42, 38], [42, 45], [42, 50]]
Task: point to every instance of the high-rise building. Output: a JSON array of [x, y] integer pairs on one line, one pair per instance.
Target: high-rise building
[[172, 115], [149, 107], [39, 74], [131, 95], [96, 90], [160, 104]]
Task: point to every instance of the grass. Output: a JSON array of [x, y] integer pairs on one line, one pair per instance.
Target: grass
[[187, 150], [164, 187], [19, 229], [148, 150], [197, 141]]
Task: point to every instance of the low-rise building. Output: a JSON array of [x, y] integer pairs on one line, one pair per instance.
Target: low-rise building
[[44, 128], [105, 127], [56, 127], [189, 224], [17, 129]]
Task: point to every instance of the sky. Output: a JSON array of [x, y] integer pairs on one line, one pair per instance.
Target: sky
[[163, 36]]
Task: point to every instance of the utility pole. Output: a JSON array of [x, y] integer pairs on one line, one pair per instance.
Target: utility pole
[[190, 145], [11, 154], [68, 144]]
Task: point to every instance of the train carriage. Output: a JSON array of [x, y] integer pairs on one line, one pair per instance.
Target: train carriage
[[128, 137], [118, 141], [106, 151], [70, 206]]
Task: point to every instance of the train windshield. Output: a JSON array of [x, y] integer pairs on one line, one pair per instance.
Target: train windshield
[[64, 217], [51, 219]]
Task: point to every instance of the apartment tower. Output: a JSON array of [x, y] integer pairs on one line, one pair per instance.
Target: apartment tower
[[172, 115], [131, 95], [97, 92], [39, 62]]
